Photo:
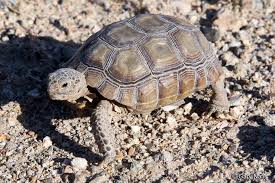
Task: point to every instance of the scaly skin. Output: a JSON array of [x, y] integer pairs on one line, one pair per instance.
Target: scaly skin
[[104, 133], [219, 101]]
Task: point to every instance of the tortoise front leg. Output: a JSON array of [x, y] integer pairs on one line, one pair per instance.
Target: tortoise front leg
[[104, 133], [219, 100]]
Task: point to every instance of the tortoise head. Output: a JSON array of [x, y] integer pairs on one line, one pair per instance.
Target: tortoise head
[[67, 84]]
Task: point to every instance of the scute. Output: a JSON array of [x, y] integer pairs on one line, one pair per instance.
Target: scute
[[97, 55], [168, 89], [122, 35], [201, 79], [188, 45], [179, 21], [94, 78], [108, 90], [203, 41], [128, 96], [147, 96], [161, 55], [212, 72], [151, 23], [187, 79], [128, 66]]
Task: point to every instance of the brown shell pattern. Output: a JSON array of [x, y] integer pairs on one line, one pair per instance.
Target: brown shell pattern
[[148, 61]]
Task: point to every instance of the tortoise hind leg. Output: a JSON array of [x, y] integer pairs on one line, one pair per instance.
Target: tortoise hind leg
[[219, 100], [104, 135]]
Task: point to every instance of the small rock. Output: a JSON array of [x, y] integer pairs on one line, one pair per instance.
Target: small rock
[[131, 151], [171, 121], [79, 163], [245, 37], [47, 142], [5, 38], [270, 120], [135, 129], [119, 156], [195, 116], [223, 124], [237, 111], [3, 140], [167, 156], [187, 108], [232, 148], [245, 163], [242, 70], [179, 111], [3, 137], [68, 169]]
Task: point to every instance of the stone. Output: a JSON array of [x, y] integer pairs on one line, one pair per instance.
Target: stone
[[131, 151], [79, 163], [237, 111], [47, 142], [187, 108], [167, 156], [195, 116], [135, 128], [171, 121]]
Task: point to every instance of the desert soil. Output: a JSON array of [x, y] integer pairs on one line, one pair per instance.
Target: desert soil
[[49, 141]]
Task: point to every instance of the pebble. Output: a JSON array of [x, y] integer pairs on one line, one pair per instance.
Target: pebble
[[131, 151], [237, 111], [187, 108], [119, 156], [245, 163], [68, 169], [135, 129], [47, 142], [167, 156], [171, 121], [3, 140], [223, 124], [246, 39], [195, 116], [179, 111], [79, 163], [270, 120]]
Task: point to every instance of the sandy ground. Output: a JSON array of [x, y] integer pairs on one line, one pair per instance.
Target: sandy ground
[[48, 141]]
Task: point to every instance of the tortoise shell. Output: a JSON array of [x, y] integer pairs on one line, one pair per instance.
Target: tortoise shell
[[147, 61]]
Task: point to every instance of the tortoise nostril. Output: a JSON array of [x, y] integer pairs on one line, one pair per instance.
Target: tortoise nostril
[[64, 85]]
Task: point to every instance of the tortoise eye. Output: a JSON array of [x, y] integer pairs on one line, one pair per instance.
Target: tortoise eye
[[64, 85]]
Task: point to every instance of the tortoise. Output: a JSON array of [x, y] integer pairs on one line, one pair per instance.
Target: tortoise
[[144, 62]]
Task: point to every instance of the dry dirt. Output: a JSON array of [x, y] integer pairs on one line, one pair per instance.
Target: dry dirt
[[48, 141]]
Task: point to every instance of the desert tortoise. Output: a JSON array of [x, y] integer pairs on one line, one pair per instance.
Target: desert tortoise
[[144, 62]]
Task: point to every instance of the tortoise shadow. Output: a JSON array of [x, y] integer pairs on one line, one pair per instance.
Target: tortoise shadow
[[25, 63]]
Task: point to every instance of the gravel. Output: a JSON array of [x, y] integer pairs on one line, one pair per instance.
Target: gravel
[[49, 141]]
